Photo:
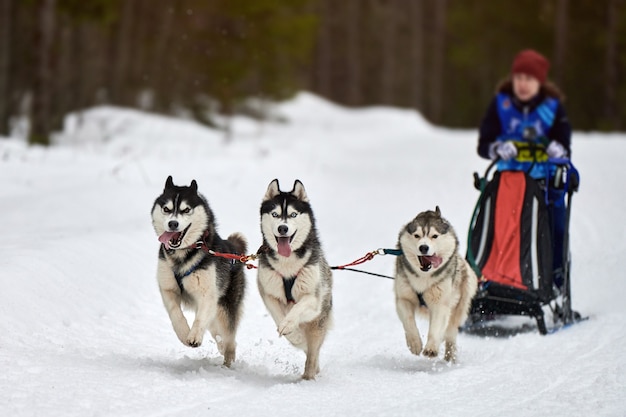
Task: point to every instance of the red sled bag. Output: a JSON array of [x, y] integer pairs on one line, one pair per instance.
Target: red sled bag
[[511, 245], [514, 247]]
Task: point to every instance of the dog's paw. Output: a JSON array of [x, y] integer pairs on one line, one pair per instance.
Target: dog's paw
[[414, 344], [311, 369], [450, 354], [194, 339], [309, 376], [194, 343], [296, 338], [286, 327], [229, 358], [430, 353]]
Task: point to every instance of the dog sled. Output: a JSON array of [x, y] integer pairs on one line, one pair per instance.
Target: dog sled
[[518, 245]]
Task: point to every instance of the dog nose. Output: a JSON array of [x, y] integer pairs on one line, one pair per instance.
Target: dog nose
[[172, 224], [423, 249], [282, 229]]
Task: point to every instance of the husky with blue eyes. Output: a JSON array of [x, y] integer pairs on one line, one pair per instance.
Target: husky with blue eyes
[[432, 278], [294, 279], [190, 275]]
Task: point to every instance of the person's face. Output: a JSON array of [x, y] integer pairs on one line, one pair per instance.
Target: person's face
[[525, 86]]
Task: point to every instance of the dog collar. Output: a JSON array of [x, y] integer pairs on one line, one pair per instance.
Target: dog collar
[[201, 244]]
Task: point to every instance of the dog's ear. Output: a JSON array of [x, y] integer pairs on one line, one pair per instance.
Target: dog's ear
[[272, 190], [411, 227], [299, 191], [437, 211], [169, 182], [194, 186]]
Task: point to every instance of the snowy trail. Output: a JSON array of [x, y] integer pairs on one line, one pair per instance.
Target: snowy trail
[[84, 332]]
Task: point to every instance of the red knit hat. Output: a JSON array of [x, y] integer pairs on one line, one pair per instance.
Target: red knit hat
[[532, 63]]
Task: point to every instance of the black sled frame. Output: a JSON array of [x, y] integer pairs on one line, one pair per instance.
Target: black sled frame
[[495, 300]]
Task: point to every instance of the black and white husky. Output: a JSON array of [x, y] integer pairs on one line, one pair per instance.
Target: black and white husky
[[191, 276], [294, 278], [432, 278]]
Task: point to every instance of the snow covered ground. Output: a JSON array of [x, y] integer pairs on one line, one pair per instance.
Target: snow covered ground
[[83, 331]]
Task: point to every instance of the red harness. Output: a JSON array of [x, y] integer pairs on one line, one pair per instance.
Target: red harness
[[201, 244]]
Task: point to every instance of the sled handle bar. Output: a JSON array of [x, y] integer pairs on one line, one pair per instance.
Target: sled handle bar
[[479, 183]]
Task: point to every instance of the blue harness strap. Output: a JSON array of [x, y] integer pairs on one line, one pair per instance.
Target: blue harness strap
[[396, 252], [180, 277]]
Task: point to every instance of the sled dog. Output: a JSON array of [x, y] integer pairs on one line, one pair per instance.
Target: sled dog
[[189, 276], [294, 279], [433, 279]]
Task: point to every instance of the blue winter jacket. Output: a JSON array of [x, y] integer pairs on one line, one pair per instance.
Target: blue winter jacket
[[531, 125]]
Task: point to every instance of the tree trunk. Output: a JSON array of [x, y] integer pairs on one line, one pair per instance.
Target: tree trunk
[[560, 40], [416, 54], [323, 72], [42, 91], [79, 58], [388, 73], [63, 97], [138, 52], [121, 55], [611, 82], [162, 90], [353, 17], [438, 62], [5, 65]]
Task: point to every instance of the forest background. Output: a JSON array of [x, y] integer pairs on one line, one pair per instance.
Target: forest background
[[199, 58]]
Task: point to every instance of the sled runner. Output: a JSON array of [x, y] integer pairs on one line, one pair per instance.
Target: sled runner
[[518, 245]]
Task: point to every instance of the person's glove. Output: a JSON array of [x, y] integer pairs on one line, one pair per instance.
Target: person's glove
[[504, 150], [556, 150]]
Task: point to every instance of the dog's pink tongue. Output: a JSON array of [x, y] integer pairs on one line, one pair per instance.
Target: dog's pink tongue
[[435, 260], [166, 237], [284, 248]]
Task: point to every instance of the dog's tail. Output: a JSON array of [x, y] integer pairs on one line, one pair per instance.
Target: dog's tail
[[238, 243]]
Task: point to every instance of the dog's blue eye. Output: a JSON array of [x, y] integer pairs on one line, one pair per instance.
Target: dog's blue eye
[[274, 214], [294, 214]]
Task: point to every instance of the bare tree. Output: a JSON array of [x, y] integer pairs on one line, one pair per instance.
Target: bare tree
[[42, 86], [66, 71], [611, 82], [353, 17], [162, 44], [416, 54], [438, 61], [122, 54], [141, 31], [560, 39], [324, 50], [5, 61], [389, 51]]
